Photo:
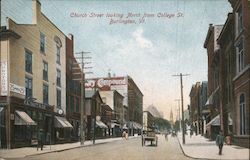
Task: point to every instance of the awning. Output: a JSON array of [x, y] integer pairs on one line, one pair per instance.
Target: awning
[[134, 125], [125, 126], [101, 124], [113, 124], [216, 121], [22, 118], [210, 98], [61, 122], [205, 111]]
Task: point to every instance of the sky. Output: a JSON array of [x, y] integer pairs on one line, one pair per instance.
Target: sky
[[167, 41]]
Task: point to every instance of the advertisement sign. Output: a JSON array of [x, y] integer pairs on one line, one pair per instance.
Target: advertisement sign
[[17, 89]]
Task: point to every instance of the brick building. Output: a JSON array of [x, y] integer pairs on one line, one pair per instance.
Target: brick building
[[241, 80]]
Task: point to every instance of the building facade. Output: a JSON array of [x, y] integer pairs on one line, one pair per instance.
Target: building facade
[[241, 80], [73, 89], [132, 98], [33, 82]]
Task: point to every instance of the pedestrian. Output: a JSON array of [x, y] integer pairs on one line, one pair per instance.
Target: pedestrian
[[40, 139], [124, 134], [191, 133], [166, 136], [220, 141]]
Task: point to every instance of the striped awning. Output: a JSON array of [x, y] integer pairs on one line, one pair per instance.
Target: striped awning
[[61, 122], [22, 118]]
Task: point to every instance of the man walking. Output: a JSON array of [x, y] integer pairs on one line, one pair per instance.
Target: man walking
[[220, 141]]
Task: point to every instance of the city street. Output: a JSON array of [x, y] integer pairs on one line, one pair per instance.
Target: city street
[[123, 149]]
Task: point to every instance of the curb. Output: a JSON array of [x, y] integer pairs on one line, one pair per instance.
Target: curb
[[189, 155], [61, 150]]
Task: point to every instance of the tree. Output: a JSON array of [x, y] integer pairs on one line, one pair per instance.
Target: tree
[[162, 124]]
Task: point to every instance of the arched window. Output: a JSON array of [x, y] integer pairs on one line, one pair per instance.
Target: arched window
[[58, 49], [242, 114]]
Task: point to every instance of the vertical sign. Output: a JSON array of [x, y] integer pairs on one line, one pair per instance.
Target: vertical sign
[[4, 78]]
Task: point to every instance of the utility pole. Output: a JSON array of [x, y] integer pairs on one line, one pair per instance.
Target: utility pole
[[94, 125], [182, 111], [82, 99], [179, 115]]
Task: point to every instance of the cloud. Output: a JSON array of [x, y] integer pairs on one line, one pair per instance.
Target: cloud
[[141, 40]]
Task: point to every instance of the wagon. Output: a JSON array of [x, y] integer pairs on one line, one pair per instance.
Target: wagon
[[150, 136]]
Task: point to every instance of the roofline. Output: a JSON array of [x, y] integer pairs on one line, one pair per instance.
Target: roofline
[[229, 18]]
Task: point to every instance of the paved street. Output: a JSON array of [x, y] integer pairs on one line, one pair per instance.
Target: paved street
[[123, 149]]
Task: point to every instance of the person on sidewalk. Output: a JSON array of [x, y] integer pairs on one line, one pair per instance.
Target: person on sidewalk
[[40, 139], [220, 141]]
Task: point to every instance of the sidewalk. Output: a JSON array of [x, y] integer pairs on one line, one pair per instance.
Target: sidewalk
[[202, 148], [28, 151]]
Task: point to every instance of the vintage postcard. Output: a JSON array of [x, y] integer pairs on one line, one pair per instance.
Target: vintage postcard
[[124, 79]]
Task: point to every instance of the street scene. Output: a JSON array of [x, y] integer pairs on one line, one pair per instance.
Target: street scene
[[132, 80]]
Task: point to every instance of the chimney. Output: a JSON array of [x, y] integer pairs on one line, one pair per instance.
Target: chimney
[[36, 11]]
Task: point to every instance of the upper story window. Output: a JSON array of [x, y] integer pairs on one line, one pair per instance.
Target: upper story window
[[240, 56], [42, 42], [242, 114], [45, 94], [239, 21], [28, 87], [58, 78], [58, 55], [58, 49], [45, 71], [28, 61], [58, 98]]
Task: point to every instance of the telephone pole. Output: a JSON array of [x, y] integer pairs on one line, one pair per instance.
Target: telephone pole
[[182, 111], [81, 78]]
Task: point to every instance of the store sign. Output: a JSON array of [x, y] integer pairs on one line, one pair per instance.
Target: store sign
[[105, 82], [108, 82], [4, 78], [17, 89]]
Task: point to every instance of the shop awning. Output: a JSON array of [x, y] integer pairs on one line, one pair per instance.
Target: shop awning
[[101, 124], [210, 98], [216, 121], [22, 118], [61, 122], [113, 124], [124, 126]]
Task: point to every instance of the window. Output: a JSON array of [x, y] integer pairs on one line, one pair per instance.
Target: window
[[77, 104], [58, 56], [45, 71], [239, 21], [28, 61], [72, 104], [45, 94], [58, 98], [240, 56], [242, 115], [58, 77], [28, 87], [42, 42]]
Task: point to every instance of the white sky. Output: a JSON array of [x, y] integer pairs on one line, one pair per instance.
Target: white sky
[[150, 52]]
